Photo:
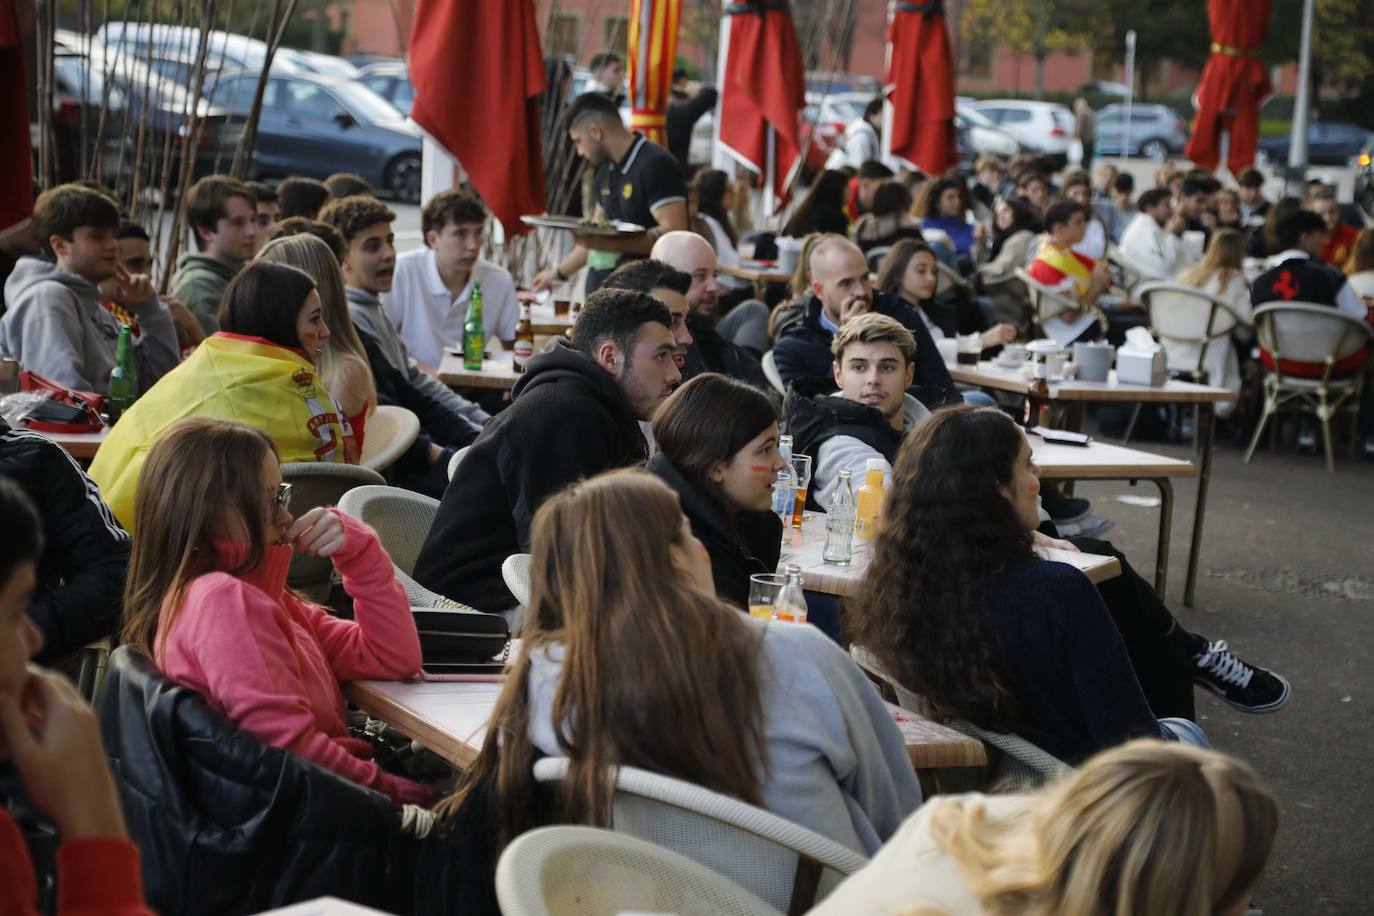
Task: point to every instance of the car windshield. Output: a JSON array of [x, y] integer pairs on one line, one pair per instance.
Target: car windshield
[[363, 102], [73, 75]]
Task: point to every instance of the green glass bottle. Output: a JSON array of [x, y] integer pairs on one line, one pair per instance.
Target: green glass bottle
[[474, 332], [123, 377]]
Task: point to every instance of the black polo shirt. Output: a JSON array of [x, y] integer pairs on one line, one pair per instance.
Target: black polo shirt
[[646, 178]]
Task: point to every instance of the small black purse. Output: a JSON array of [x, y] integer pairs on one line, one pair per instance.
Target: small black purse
[[460, 640]]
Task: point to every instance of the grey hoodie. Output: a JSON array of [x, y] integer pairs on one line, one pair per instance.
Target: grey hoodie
[[837, 764], [55, 326], [371, 319], [841, 452]]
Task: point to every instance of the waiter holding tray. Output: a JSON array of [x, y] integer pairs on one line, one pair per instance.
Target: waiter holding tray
[[636, 182]]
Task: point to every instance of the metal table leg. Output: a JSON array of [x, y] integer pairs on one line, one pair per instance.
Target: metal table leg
[[1166, 523], [1207, 422]]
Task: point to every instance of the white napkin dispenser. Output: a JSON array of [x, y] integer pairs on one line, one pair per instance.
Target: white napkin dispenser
[[1141, 367]]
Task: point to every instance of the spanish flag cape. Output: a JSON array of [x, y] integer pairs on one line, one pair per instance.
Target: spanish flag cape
[[1068, 262], [235, 377]]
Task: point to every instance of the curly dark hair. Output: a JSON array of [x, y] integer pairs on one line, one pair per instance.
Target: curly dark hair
[[352, 215], [947, 529]]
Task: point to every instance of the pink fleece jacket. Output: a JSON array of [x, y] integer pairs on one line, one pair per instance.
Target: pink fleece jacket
[[272, 662]]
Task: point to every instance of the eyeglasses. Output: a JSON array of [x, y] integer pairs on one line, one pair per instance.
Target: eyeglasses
[[280, 499]]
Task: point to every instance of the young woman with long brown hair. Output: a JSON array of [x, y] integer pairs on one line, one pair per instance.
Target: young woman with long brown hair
[[630, 659], [1143, 829], [207, 600], [997, 636], [1220, 274]]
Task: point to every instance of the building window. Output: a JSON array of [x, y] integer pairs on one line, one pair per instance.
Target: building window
[[564, 34], [977, 62], [615, 34]]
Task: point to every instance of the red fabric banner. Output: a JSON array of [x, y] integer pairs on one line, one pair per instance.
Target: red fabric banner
[[764, 85], [652, 51], [16, 157], [920, 80], [478, 73], [1234, 82]]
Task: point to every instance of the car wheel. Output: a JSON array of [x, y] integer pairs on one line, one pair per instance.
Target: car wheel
[[1155, 150], [403, 178]]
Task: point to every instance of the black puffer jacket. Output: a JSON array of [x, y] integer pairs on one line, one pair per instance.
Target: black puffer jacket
[[751, 545], [227, 824], [81, 576]]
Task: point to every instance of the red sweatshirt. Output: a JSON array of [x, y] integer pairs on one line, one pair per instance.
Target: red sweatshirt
[[95, 877], [272, 663]]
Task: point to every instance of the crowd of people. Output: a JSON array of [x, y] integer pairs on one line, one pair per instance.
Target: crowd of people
[[635, 462]]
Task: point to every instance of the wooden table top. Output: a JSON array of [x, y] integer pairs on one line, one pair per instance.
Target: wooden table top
[[805, 550], [1103, 461], [79, 445], [546, 321], [498, 373], [988, 374], [756, 272], [450, 718]]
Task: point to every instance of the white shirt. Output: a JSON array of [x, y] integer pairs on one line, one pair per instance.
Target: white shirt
[[860, 145], [1094, 244], [431, 320], [727, 255], [1154, 248]]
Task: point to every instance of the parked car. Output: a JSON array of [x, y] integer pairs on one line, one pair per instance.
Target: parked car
[[1328, 143], [984, 137], [1156, 132], [1043, 128], [1105, 87], [223, 48], [79, 92], [391, 81], [316, 125], [821, 82]]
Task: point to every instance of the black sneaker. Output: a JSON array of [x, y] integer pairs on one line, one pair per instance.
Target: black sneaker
[[1063, 509], [1244, 686]]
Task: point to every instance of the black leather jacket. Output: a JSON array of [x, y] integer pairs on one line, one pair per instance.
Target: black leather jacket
[[227, 824]]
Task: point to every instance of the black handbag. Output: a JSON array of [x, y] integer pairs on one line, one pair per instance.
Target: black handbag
[[459, 640]]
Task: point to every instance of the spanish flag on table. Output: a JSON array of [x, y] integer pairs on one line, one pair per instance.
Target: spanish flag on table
[[234, 377]]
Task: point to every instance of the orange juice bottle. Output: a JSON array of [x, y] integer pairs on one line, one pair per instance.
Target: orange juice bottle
[[870, 500]]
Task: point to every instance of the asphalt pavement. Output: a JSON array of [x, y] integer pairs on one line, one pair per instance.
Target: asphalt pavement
[[1286, 577]]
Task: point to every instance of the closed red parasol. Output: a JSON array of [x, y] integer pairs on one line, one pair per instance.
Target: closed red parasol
[[1234, 83], [16, 164], [920, 82], [764, 87], [478, 75]]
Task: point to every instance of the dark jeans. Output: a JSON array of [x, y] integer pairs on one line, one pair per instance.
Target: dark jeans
[[1161, 649]]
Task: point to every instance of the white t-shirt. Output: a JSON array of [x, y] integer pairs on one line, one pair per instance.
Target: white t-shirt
[[431, 320], [727, 255]]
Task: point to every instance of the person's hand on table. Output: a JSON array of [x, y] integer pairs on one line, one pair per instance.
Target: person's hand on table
[[317, 533], [545, 279], [1040, 539], [54, 743], [1000, 333]]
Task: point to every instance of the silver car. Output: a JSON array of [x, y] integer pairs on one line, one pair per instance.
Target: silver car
[[1156, 132]]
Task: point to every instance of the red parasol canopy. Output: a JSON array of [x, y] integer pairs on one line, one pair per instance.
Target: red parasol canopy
[[16, 164], [653, 49], [478, 74], [1234, 83], [764, 87], [920, 83]]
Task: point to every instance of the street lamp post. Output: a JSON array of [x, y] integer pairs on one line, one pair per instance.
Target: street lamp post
[[1302, 108]]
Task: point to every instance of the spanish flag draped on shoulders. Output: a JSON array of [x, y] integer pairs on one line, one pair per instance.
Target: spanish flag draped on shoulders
[[1062, 269], [236, 377]]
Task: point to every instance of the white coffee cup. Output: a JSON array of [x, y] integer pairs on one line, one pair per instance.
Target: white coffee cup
[[948, 347], [1013, 355]]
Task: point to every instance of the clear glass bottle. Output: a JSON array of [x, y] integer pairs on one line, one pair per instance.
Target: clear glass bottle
[[839, 523], [791, 606], [785, 487]]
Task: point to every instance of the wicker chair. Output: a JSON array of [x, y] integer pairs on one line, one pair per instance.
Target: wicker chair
[[456, 460], [318, 483], [391, 431], [787, 866], [582, 871], [1016, 764], [770, 371], [1309, 333], [402, 520], [515, 569], [1046, 303]]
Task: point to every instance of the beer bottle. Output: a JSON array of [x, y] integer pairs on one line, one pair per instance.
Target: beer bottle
[[524, 339], [123, 377], [1038, 396], [474, 332]]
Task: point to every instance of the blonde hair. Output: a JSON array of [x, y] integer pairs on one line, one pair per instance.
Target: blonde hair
[[872, 328], [1223, 260], [1148, 827], [343, 364]]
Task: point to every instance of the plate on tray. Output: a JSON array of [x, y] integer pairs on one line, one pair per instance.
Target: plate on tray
[[575, 224]]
